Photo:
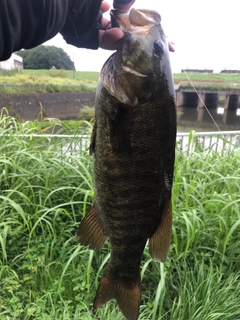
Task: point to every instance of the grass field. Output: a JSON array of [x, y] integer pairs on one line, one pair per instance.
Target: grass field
[[209, 77], [29, 81], [53, 80], [211, 81], [44, 274]]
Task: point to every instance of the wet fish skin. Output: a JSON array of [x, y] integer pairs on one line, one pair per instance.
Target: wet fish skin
[[133, 142]]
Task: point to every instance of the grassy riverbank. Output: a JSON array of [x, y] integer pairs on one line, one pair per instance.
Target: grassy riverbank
[[211, 81], [210, 77], [44, 274], [29, 81]]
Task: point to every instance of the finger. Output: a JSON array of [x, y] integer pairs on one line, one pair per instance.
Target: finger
[[109, 39], [171, 46], [105, 6], [105, 23]]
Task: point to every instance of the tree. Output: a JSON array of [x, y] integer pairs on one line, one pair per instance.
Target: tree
[[46, 57]]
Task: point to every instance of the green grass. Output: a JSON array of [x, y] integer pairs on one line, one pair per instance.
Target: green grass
[[45, 274], [210, 77], [28, 81], [67, 74], [210, 81]]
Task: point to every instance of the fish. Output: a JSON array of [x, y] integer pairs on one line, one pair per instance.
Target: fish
[[133, 143]]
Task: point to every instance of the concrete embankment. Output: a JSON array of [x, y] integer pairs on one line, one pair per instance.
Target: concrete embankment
[[60, 105]]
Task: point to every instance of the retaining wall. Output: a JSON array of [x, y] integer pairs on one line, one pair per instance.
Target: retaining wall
[[58, 105]]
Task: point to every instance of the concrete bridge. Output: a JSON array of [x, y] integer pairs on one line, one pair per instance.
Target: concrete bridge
[[229, 99]]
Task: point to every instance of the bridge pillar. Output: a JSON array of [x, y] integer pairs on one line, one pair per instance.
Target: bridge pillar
[[200, 114], [201, 100], [224, 117], [179, 99], [226, 104]]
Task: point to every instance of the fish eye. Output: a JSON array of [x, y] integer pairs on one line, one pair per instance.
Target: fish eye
[[158, 47]]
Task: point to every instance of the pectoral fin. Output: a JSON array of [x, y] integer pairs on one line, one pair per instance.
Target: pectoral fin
[[90, 232], [159, 243]]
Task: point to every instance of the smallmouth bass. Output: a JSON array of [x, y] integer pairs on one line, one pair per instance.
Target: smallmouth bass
[[133, 142]]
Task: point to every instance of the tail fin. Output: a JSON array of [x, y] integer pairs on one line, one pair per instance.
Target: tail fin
[[128, 295]]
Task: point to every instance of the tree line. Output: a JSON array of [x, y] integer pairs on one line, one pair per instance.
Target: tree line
[[46, 57]]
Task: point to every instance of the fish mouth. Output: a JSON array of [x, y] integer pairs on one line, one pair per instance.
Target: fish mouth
[[130, 69]]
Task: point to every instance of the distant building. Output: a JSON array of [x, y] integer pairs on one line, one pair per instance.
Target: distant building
[[14, 62], [198, 70], [230, 71]]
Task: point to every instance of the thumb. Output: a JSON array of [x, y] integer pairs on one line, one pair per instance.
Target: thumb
[[109, 39]]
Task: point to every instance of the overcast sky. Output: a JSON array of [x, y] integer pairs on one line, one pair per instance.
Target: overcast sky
[[205, 33]]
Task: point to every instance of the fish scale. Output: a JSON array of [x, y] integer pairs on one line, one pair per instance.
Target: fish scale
[[133, 143]]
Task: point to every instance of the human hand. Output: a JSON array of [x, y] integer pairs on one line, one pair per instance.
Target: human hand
[[109, 37], [171, 46]]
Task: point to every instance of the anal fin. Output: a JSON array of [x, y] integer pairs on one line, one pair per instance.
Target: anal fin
[[128, 295], [90, 231], [159, 243]]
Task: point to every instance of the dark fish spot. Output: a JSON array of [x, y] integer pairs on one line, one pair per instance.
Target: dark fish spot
[[158, 47]]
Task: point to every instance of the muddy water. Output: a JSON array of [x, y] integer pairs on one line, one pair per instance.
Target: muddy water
[[189, 118], [68, 105]]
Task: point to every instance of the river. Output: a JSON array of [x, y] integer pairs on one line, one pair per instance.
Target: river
[[191, 118]]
